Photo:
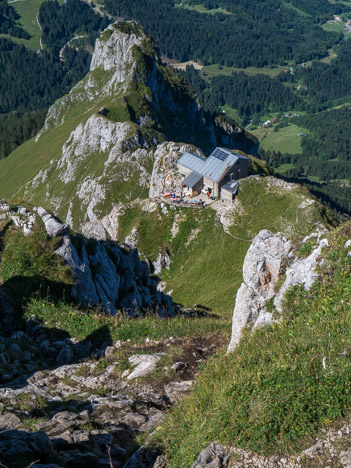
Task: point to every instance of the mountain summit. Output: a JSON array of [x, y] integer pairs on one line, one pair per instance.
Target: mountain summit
[[104, 142]]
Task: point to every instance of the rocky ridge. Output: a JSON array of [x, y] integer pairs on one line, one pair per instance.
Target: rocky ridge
[[105, 274], [331, 449], [116, 133]]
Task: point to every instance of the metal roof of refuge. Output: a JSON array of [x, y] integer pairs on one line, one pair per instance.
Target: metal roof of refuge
[[218, 162], [192, 179], [231, 186], [214, 166], [192, 161]]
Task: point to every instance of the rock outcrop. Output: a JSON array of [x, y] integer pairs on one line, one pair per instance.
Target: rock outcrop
[[165, 176], [105, 274], [145, 363], [268, 259], [330, 449], [114, 52], [265, 261], [302, 271], [162, 262]]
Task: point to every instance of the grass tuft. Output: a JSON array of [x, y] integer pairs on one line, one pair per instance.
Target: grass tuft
[[82, 324]]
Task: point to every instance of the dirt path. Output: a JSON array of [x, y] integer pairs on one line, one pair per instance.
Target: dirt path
[[67, 44], [41, 29]]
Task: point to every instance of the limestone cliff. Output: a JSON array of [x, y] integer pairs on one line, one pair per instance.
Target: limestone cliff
[[116, 137], [105, 274], [270, 268]]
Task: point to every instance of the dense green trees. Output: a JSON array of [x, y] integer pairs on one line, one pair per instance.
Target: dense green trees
[[28, 81], [323, 83], [255, 34], [331, 135], [31, 81], [320, 11], [249, 95], [61, 23], [326, 156], [17, 127], [9, 21]]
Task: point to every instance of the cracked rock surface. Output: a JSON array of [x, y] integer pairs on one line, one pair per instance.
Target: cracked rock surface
[[269, 259], [83, 410]]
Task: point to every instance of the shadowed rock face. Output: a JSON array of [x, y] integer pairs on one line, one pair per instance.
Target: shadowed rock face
[[105, 274], [269, 257]]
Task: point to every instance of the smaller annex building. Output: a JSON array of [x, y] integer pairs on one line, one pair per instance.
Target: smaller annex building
[[217, 174]]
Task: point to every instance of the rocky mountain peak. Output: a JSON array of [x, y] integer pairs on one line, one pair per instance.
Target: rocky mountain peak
[[121, 49], [113, 50], [117, 136]]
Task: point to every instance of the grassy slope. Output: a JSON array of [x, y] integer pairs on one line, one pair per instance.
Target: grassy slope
[[232, 113], [76, 324], [47, 147], [207, 269], [334, 27], [28, 10], [29, 158], [294, 8], [331, 56], [200, 8], [285, 140], [284, 167], [272, 394], [214, 70]]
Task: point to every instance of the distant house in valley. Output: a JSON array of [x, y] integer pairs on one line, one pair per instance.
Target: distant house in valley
[[266, 123], [217, 174]]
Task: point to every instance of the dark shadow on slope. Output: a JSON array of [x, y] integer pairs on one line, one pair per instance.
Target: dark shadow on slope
[[20, 289], [45, 449], [317, 189], [61, 348], [2, 235]]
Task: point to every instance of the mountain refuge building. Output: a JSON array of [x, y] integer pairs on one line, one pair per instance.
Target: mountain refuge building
[[216, 175]]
